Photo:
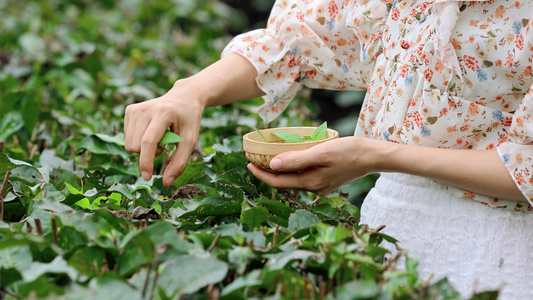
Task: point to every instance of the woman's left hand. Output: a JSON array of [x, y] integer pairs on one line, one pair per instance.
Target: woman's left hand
[[322, 168]]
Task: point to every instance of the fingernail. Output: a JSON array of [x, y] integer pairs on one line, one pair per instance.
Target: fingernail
[[145, 175], [275, 164], [171, 180]]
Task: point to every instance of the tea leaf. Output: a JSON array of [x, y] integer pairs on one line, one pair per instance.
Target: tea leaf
[[170, 138], [289, 137], [320, 132], [258, 131]]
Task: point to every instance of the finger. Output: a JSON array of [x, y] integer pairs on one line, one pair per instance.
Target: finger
[[151, 137], [179, 159], [293, 161], [298, 181], [128, 132]]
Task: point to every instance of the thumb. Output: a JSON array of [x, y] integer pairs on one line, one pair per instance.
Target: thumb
[[293, 161]]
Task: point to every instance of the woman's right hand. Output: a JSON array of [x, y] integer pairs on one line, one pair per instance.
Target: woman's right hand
[[180, 109], [228, 80]]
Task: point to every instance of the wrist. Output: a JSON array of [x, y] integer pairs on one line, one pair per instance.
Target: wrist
[[382, 155], [189, 88]]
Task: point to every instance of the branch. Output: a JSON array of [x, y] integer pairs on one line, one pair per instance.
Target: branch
[[2, 191]]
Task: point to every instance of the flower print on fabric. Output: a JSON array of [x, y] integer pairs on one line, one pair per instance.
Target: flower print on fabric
[[448, 74], [312, 43]]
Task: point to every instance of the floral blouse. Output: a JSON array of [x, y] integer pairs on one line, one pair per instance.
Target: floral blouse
[[440, 73]]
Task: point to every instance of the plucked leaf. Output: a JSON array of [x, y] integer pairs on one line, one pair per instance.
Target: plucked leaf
[[289, 137], [170, 138], [320, 132]]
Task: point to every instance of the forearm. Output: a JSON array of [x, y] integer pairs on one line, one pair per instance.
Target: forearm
[[478, 171], [229, 80]]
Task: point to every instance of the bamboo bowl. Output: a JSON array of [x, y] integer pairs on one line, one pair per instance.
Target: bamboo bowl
[[260, 153]]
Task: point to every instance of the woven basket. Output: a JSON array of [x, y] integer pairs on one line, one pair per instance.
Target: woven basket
[[260, 153]]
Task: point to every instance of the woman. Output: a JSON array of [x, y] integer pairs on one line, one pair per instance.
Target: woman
[[446, 120]]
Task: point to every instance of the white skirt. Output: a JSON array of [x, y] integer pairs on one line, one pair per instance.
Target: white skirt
[[477, 247]]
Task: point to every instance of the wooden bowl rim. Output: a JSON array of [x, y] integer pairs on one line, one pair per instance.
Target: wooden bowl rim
[[263, 148]]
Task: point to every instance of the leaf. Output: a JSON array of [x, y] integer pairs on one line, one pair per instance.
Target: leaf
[[18, 257], [487, 295], [117, 139], [276, 207], [187, 274], [33, 45], [254, 216], [357, 289], [7, 164], [57, 266], [320, 133], [122, 189], [249, 280], [8, 276], [164, 233], [302, 219], [192, 172], [96, 145], [70, 238], [261, 134], [445, 289], [10, 123], [170, 138], [278, 261], [138, 251], [289, 137], [105, 289], [240, 257], [88, 260], [49, 160], [193, 209], [61, 177]]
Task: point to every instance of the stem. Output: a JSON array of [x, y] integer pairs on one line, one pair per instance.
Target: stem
[[275, 284], [2, 191], [275, 237], [147, 278], [54, 231], [39, 227], [214, 243], [258, 131], [10, 293], [155, 279], [29, 227]]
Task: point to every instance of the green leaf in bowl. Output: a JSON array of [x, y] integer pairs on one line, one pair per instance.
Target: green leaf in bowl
[[320, 132], [258, 131], [289, 137]]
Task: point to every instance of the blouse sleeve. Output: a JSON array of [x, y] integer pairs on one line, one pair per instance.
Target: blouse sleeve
[[517, 152], [327, 44]]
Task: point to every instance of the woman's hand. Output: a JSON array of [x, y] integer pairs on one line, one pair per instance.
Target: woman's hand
[[146, 122], [322, 168], [325, 167], [229, 80]]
